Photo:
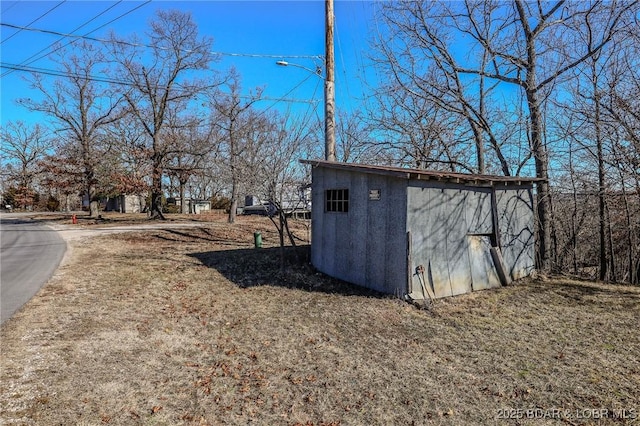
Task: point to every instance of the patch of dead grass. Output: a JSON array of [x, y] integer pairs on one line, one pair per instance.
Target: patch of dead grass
[[193, 326]]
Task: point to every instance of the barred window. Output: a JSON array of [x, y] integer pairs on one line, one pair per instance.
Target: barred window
[[337, 200]]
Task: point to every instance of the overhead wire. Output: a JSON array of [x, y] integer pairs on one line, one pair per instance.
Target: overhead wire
[[127, 43], [58, 73], [34, 21], [98, 79], [344, 69], [24, 66], [86, 34], [31, 59], [8, 8]]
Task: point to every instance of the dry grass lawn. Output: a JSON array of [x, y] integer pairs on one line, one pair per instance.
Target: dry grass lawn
[[194, 326]]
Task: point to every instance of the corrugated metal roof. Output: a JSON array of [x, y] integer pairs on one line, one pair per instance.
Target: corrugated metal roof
[[419, 174]]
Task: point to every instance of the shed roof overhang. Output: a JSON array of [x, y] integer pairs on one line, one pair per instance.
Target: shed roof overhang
[[419, 174]]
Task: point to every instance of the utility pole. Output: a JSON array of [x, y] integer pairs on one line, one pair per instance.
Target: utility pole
[[329, 87]]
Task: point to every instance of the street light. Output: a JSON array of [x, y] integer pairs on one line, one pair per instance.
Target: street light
[[318, 70], [329, 107]]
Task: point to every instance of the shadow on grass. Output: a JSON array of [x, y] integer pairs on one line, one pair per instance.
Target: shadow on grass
[[187, 235], [588, 293], [261, 267]]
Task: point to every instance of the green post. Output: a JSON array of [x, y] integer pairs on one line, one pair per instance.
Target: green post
[[257, 239]]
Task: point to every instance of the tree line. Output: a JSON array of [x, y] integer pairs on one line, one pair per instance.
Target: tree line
[[544, 89], [131, 116]]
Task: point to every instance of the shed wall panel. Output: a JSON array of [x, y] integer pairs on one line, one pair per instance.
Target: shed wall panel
[[365, 246], [395, 239], [515, 218], [457, 242], [483, 271], [337, 259], [427, 212], [376, 233], [317, 217], [443, 220], [478, 211], [358, 228]]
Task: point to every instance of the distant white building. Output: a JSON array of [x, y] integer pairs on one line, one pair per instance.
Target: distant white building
[[194, 206]]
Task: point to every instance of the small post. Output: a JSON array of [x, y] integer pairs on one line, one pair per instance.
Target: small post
[[257, 240]]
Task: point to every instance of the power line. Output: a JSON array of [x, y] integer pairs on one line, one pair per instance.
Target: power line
[[86, 34], [58, 73], [344, 70], [29, 60], [101, 40], [34, 21], [8, 8]]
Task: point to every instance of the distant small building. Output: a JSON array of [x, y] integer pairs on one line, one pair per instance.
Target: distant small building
[[194, 206], [199, 206], [420, 234], [126, 204]]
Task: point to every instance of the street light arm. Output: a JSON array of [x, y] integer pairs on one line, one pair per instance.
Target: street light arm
[[317, 72]]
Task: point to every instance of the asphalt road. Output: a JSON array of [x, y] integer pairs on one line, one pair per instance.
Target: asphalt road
[[30, 253]]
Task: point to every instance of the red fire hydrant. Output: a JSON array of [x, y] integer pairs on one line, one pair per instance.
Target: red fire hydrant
[[74, 219]]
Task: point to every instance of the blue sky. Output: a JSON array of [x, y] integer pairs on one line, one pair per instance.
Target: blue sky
[[267, 30]]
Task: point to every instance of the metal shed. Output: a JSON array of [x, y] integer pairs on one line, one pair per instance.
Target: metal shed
[[420, 234]]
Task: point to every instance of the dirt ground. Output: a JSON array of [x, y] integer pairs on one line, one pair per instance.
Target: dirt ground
[[177, 324]]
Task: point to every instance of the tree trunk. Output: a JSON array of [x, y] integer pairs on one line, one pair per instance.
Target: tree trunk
[[543, 210], [602, 275], [156, 192], [234, 202], [477, 136], [184, 206], [234, 190], [94, 208], [281, 235]]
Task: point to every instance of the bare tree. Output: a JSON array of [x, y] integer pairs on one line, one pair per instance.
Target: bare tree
[[281, 178], [127, 159], [22, 148], [81, 105], [417, 133], [531, 46], [63, 173], [355, 143], [421, 62], [191, 142], [158, 74], [238, 128]]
